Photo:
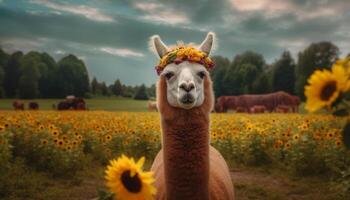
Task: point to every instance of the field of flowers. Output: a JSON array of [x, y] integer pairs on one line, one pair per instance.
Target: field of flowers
[[59, 142]]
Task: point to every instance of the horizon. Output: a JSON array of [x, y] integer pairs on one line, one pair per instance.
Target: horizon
[[112, 37]]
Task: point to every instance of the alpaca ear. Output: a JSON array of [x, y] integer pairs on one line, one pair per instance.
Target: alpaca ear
[[208, 43], [157, 46]]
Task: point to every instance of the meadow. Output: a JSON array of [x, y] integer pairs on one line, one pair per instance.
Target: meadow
[[61, 155]]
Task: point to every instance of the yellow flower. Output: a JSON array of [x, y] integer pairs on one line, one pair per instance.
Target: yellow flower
[[344, 63], [128, 181], [325, 87]]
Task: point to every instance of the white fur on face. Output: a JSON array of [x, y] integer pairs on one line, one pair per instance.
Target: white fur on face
[[185, 87]]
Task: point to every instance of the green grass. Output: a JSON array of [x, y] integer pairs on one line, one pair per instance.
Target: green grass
[[99, 103]]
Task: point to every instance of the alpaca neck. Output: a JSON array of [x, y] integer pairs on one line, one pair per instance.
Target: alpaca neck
[[186, 155]]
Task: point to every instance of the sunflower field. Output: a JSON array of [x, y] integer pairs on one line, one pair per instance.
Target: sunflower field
[[59, 142]]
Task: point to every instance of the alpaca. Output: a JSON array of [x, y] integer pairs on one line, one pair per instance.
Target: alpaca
[[187, 167]]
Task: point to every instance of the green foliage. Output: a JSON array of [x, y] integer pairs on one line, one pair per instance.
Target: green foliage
[[28, 85], [141, 93], [283, 75], [12, 72], [117, 88], [217, 75], [245, 69], [261, 84], [316, 56], [73, 77], [94, 86]]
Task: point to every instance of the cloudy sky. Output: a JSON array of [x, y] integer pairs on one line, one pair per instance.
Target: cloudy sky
[[111, 36]]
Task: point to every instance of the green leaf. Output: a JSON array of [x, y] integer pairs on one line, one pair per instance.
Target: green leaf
[[346, 135], [341, 112]]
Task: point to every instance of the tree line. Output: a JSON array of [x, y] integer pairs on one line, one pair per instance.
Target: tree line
[[38, 75], [248, 72]]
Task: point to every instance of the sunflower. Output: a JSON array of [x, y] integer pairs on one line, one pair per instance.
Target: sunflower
[[128, 181], [325, 87]]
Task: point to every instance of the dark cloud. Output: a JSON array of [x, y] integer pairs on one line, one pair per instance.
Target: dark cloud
[[267, 29]]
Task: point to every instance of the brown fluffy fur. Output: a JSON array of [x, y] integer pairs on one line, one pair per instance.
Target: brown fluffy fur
[[187, 167]]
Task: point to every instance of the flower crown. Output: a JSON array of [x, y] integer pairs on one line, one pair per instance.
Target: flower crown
[[181, 54]]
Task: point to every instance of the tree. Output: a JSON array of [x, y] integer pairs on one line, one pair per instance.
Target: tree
[[104, 89], [2, 76], [3, 62], [73, 76], [151, 91], [316, 56], [283, 73], [242, 73], [48, 83], [12, 71], [94, 86], [141, 93], [218, 73], [28, 86], [117, 88], [261, 85]]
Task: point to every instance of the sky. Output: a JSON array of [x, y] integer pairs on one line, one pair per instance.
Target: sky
[[111, 36]]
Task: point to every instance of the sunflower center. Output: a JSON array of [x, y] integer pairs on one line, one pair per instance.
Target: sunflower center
[[328, 90], [132, 184]]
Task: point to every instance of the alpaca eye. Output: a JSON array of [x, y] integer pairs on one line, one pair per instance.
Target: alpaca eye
[[168, 75], [201, 74]]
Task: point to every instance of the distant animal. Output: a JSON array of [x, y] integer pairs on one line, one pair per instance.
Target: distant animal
[[240, 109], [295, 103], [152, 106], [33, 105], [258, 109], [72, 103], [225, 103], [188, 167], [18, 105], [282, 109], [247, 101]]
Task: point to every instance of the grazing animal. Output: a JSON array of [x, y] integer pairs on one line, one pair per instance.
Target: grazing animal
[[187, 167], [248, 101], [72, 103], [240, 110], [33, 106], [152, 106], [225, 103], [282, 109], [18, 105], [258, 109], [295, 103]]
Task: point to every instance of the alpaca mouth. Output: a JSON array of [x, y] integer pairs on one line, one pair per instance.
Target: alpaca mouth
[[187, 99]]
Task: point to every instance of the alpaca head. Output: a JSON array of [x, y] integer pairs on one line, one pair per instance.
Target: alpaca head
[[184, 80]]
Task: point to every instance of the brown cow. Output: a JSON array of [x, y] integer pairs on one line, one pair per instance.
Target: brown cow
[[33, 105], [258, 109], [225, 103], [152, 106], [247, 101], [18, 105], [296, 103], [282, 109], [240, 110]]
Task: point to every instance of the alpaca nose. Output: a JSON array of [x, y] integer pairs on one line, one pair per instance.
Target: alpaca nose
[[187, 86]]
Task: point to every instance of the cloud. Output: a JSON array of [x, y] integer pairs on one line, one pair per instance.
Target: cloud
[[267, 5], [121, 52], [82, 10], [60, 52], [12, 44], [159, 13]]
